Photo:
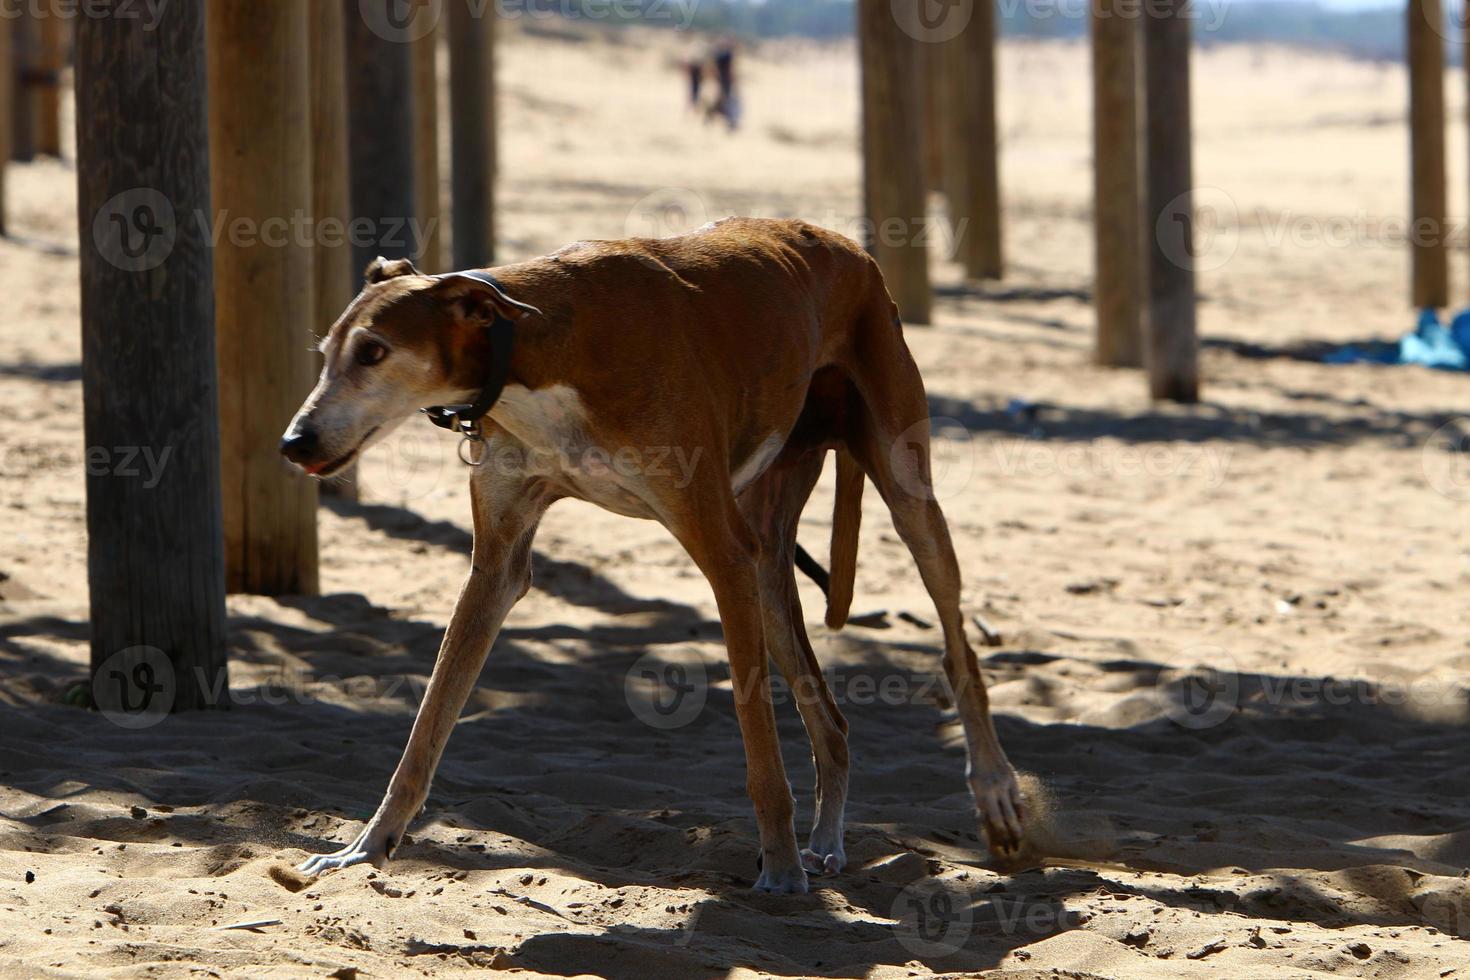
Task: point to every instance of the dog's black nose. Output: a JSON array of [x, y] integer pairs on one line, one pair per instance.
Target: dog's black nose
[[299, 445]]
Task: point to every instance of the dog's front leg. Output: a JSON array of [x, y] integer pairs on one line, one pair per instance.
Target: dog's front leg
[[499, 576]]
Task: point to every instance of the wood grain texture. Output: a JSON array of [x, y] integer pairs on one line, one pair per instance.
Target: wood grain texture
[[932, 70], [54, 35], [473, 146], [1118, 213], [380, 135], [893, 160], [7, 75], [155, 562], [1429, 204], [430, 257], [1172, 352], [334, 279], [974, 147], [260, 147], [331, 200], [25, 40]]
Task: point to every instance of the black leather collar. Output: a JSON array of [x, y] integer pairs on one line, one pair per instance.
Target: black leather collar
[[465, 419]]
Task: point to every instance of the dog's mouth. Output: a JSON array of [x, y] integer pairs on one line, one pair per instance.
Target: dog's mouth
[[332, 468]]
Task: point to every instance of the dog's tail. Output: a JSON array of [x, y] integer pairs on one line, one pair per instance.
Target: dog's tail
[[847, 515]]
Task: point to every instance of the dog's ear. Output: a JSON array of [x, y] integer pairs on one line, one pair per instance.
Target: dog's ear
[[381, 269], [477, 298]]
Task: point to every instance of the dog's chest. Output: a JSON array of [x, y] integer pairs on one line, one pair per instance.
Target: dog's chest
[[552, 424]]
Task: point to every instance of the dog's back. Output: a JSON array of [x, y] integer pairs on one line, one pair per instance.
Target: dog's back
[[766, 308]]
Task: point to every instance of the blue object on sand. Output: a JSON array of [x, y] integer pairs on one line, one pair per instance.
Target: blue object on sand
[[1430, 344], [1460, 330]]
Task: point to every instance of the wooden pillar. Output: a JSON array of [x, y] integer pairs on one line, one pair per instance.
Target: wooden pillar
[[473, 143], [933, 70], [380, 132], [942, 129], [260, 148], [154, 561], [54, 31], [334, 278], [893, 161], [1172, 352], [25, 39], [7, 77], [426, 151], [1429, 206], [975, 146], [333, 275], [1118, 213]]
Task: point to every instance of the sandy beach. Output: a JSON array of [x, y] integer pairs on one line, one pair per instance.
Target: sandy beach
[[1233, 660]]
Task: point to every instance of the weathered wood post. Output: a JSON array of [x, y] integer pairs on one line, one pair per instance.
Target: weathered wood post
[[333, 275], [1172, 352], [334, 280], [972, 180], [54, 32], [380, 129], [893, 160], [1118, 213], [25, 40], [154, 559], [260, 148], [473, 144], [7, 76], [430, 257], [1429, 206], [933, 70]]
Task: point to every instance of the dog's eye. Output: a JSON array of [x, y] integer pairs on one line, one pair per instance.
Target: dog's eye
[[370, 352]]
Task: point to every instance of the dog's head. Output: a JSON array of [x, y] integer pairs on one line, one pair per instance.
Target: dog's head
[[408, 341]]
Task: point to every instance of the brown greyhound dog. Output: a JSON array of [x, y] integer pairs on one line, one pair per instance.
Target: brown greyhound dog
[[751, 346]]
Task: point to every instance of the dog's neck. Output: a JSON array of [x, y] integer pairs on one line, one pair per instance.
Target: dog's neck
[[499, 347]]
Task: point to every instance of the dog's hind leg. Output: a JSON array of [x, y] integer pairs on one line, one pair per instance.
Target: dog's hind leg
[[773, 506], [890, 438], [709, 524], [507, 509]]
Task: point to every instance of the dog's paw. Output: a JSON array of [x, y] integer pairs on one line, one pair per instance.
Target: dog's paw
[[791, 882], [823, 858], [361, 851], [1001, 810]]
